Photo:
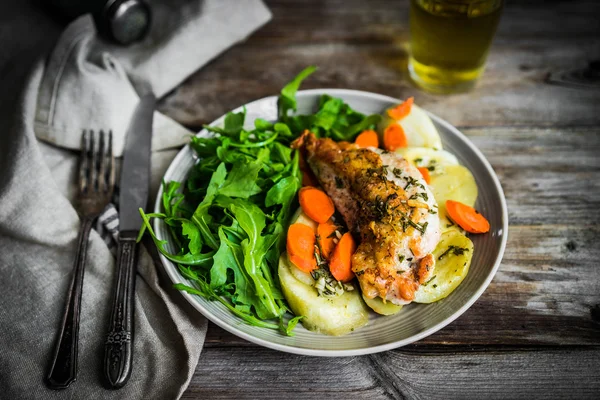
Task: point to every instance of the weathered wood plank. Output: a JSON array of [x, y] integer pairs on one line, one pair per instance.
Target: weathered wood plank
[[364, 47], [443, 373]]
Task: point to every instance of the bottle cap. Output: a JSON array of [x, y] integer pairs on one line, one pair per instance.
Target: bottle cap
[[124, 21]]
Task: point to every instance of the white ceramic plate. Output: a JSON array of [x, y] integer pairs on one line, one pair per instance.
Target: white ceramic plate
[[415, 321]]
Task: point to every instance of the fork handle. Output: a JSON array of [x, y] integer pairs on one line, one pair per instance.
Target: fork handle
[[118, 348], [63, 369]]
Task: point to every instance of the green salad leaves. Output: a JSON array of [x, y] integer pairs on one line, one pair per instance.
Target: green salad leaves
[[228, 220]]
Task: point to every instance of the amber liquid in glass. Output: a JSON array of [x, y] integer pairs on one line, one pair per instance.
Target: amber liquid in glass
[[450, 40]]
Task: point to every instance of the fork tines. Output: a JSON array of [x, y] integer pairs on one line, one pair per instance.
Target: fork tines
[[96, 171]]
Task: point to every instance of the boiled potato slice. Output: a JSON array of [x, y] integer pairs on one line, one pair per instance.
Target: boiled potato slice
[[331, 316], [302, 276], [456, 183], [435, 160], [418, 128], [456, 251], [377, 305]]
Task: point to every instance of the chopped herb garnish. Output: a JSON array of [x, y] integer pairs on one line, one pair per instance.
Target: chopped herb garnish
[[457, 251], [427, 283]]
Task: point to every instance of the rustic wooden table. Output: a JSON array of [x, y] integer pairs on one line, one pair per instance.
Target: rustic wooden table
[[535, 332]]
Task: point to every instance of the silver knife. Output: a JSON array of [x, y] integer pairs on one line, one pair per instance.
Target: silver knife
[[134, 187]]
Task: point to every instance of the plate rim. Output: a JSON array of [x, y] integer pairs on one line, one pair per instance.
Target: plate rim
[[176, 278]]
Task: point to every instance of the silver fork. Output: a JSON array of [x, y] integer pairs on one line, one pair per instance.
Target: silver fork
[[96, 185]]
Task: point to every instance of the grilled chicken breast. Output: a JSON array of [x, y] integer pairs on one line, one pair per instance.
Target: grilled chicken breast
[[388, 208]]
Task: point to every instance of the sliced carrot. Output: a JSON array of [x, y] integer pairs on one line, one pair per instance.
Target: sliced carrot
[[300, 247], [394, 137], [316, 204], [467, 217], [340, 263], [325, 236], [425, 172], [401, 110], [367, 138]]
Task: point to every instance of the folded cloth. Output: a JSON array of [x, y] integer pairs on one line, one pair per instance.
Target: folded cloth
[[38, 224]]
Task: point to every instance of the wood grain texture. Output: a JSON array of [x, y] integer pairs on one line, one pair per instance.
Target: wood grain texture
[[411, 373]]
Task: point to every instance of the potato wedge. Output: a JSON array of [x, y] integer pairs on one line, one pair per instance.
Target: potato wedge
[[418, 128], [331, 316], [377, 305], [452, 260]]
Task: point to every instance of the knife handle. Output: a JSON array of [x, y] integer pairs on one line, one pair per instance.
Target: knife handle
[[118, 348]]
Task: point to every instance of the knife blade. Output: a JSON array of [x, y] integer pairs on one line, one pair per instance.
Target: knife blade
[[134, 187]]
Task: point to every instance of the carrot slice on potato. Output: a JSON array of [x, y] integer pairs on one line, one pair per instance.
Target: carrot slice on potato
[[368, 138], [325, 236], [425, 173], [467, 217], [401, 110], [340, 263], [394, 137], [300, 247], [316, 204]]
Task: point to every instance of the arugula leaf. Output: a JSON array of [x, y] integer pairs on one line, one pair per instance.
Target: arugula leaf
[[189, 229], [328, 113], [349, 132], [291, 325], [199, 259], [252, 220], [282, 191], [287, 100], [230, 257], [241, 180], [263, 125], [234, 122], [201, 217]]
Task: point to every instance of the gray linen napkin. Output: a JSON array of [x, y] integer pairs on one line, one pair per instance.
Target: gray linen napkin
[[38, 224]]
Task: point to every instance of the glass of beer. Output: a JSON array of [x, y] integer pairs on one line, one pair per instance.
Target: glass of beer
[[450, 40]]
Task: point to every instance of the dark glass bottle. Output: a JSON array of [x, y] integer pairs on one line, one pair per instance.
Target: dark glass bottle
[[121, 21]]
